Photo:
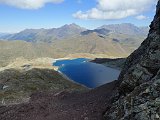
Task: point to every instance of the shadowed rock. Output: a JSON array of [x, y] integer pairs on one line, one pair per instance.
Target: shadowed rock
[[139, 93]]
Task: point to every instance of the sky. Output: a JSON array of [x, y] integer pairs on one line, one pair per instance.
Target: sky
[[17, 15]]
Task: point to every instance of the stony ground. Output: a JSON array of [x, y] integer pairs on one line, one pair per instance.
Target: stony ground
[[62, 105]]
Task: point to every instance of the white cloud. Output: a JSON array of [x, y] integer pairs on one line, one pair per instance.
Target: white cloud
[[28, 4], [141, 17], [116, 9]]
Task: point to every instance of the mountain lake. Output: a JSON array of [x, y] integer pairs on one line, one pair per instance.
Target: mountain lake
[[86, 73]]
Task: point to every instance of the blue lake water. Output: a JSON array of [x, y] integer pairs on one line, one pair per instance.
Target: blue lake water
[[89, 74], [70, 62]]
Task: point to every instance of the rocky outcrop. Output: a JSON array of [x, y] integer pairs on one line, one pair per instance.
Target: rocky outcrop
[[139, 90], [116, 63]]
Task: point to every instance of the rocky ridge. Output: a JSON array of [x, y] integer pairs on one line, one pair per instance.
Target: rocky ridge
[[139, 91]]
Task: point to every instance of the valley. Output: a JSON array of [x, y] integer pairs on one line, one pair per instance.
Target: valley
[[110, 72], [29, 55], [74, 42]]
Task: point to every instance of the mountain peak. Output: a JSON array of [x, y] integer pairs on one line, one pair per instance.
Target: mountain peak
[[72, 25]]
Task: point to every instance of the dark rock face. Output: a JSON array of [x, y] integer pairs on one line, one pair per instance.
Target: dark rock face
[[139, 90]]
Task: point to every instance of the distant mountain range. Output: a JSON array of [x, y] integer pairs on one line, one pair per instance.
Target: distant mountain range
[[126, 28], [4, 34], [72, 40], [45, 35], [67, 31]]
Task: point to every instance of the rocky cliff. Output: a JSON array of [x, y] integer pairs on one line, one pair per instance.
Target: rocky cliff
[[139, 91]]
